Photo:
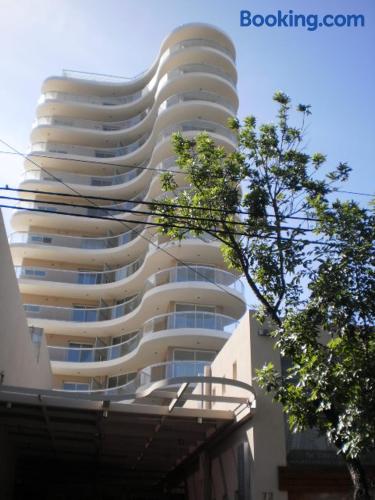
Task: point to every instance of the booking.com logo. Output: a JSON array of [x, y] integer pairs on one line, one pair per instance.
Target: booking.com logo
[[310, 21]]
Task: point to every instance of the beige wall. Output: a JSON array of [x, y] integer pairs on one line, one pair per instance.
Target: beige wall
[[245, 464], [21, 362]]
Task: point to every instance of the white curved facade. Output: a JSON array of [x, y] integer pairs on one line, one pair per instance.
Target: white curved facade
[[114, 297]]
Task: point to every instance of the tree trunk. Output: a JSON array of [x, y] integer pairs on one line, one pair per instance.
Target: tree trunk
[[359, 480]]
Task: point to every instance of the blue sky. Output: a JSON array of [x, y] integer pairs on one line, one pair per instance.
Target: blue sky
[[331, 69]]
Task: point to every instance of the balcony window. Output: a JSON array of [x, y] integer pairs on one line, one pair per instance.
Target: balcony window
[[84, 313], [34, 272], [80, 353], [32, 308], [195, 316], [187, 362], [41, 239], [87, 278], [120, 380], [76, 386]]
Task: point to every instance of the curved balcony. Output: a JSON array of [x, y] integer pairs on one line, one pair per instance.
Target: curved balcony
[[55, 241], [146, 377], [122, 100], [199, 34], [89, 151], [103, 126], [186, 274], [98, 180], [111, 126], [170, 369], [186, 126], [162, 323], [87, 243], [199, 42], [136, 95], [199, 68], [96, 210], [78, 277]]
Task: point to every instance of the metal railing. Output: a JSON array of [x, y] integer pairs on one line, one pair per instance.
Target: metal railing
[[105, 78], [99, 77], [163, 322]]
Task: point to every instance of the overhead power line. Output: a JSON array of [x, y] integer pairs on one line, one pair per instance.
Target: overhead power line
[[123, 223], [151, 203], [149, 213], [27, 158], [185, 228]]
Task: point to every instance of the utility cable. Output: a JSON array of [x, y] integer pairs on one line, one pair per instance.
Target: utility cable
[[358, 193], [148, 213], [157, 224], [151, 203], [124, 224]]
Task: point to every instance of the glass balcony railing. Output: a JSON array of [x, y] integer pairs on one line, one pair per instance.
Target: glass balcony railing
[[198, 68], [98, 210], [137, 381], [187, 126], [69, 149], [180, 274], [64, 121], [98, 180], [201, 42], [170, 370], [203, 96], [78, 277], [91, 99], [62, 240], [100, 77], [164, 322], [121, 100], [197, 126]]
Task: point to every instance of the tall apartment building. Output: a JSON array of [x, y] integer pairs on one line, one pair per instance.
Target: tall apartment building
[[122, 305], [114, 297]]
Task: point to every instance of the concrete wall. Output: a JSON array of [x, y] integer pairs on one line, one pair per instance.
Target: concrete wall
[[22, 363], [244, 465]]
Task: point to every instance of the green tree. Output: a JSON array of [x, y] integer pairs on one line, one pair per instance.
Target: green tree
[[308, 259]]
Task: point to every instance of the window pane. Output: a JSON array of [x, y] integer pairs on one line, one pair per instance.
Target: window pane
[[205, 355], [185, 355], [184, 307]]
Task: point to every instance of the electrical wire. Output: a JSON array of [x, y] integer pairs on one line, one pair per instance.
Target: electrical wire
[[151, 203], [126, 226], [149, 213], [185, 228], [25, 156]]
